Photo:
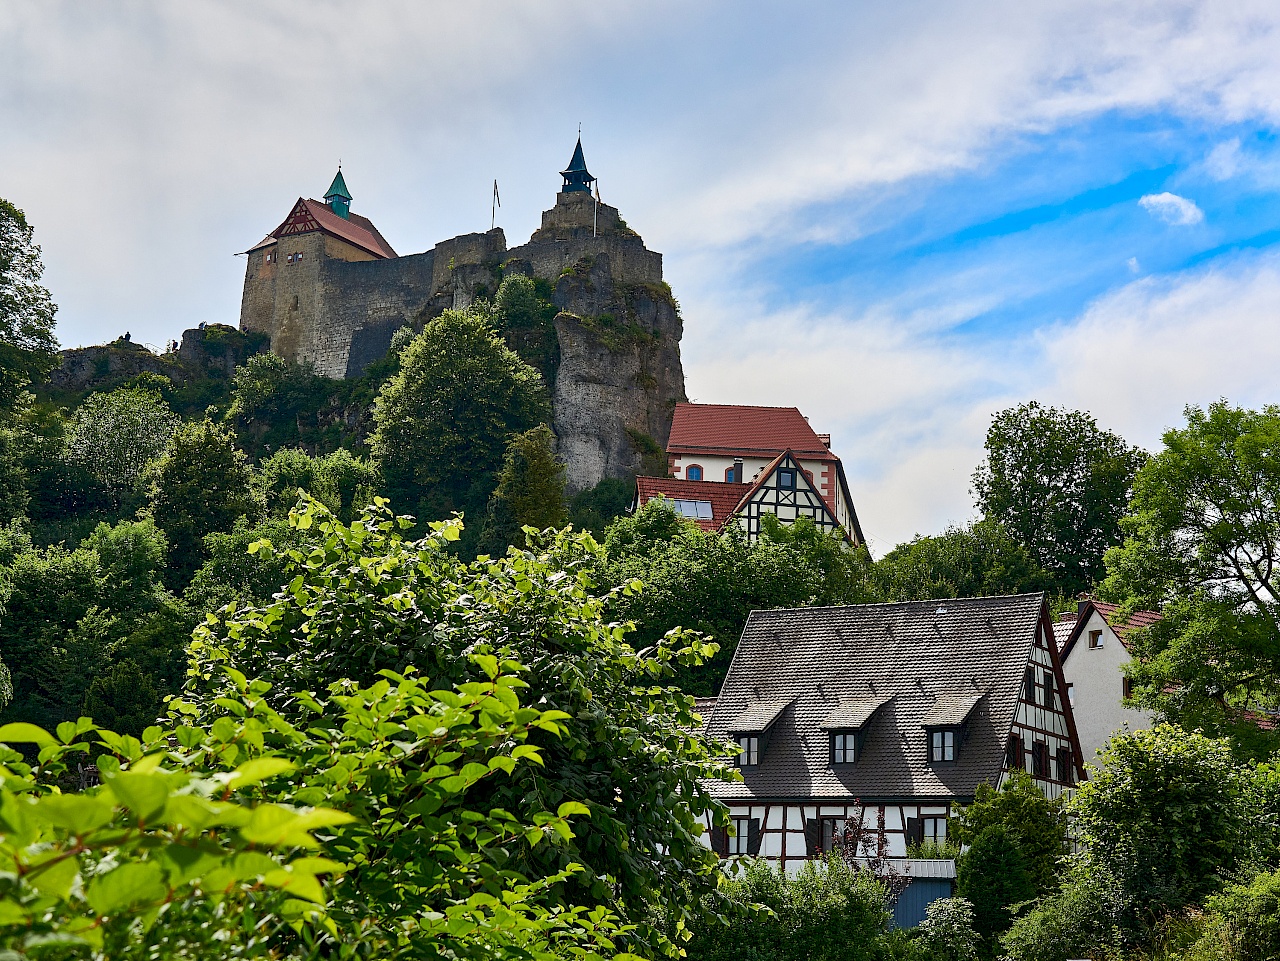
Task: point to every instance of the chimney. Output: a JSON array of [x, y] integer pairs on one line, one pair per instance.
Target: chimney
[[737, 471], [1084, 601], [826, 440]]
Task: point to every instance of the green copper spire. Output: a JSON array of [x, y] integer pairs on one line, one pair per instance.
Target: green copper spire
[[339, 198]]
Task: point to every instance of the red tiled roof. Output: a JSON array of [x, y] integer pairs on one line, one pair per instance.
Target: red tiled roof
[[357, 230], [1138, 620], [724, 498], [731, 430]]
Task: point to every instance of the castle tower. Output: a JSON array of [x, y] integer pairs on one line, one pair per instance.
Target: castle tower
[[339, 198], [577, 179]]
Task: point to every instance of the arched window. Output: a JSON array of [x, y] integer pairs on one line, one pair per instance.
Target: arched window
[[693, 472]]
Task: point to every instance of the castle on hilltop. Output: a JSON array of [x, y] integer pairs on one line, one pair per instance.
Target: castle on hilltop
[[328, 290]]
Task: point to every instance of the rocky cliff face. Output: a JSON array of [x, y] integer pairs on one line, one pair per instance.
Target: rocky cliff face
[[619, 374]]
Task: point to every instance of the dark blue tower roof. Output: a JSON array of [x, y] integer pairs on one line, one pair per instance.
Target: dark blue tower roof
[[576, 176]]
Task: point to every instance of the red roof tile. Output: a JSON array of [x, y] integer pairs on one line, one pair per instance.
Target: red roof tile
[[724, 498], [1138, 620], [731, 430], [315, 215]]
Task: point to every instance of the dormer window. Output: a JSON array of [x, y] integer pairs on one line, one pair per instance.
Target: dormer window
[[751, 730], [942, 745], [844, 747]]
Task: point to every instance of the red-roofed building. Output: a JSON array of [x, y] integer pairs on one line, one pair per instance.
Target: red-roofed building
[[770, 455], [1094, 650]]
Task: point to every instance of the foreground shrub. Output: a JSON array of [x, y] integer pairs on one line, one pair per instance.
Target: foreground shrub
[[1244, 921], [947, 931], [829, 911]]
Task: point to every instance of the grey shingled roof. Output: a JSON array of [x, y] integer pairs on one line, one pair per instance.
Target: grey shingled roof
[[950, 709], [914, 653], [852, 713], [758, 716]]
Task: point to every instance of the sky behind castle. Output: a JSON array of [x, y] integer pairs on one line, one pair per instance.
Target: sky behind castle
[[899, 217]]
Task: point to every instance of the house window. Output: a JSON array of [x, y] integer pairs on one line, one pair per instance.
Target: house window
[[830, 834], [787, 479], [1029, 686], [1071, 694], [750, 756], [1095, 640], [844, 747], [1066, 766], [269, 257], [741, 838], [935, 830], [699, 510], [693, 472], [942, 745], [1039, 759], [1048, 689], [731, 475], [1015, 759]]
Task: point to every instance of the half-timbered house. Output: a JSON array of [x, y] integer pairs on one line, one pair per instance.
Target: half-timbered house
[[732, 464], [894, 713]]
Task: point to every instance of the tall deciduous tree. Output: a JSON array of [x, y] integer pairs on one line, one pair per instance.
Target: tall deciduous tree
[[201, 485], [1203, 547], [443, 422], [980, 560], [27, 344], [1059, 484], [116, 435], [530, 490]]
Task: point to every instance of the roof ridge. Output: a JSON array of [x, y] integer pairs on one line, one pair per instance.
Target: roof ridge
[[933, 600]]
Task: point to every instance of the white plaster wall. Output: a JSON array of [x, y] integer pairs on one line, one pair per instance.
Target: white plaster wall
[[1097, 688]]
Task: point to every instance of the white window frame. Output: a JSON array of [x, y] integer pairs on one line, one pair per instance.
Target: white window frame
[[844, 747], [750, 744], [942, 746], [935, 829]]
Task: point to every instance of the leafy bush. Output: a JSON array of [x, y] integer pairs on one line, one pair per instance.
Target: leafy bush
[[947, 931], [828, 911], [1243, 921], [1088, 917], [1038, 825], [360, 599]]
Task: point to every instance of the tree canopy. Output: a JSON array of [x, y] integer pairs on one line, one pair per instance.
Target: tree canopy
[[1059, 485], [1202, 546], [27, 344]]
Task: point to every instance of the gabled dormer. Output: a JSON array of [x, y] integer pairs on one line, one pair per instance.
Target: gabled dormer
[[945, 725], [752, 728], [847, 727]]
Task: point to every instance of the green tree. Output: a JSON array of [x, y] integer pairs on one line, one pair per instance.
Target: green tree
[[1036, 823], [1059, 485], [1202, 547], [27, 345], [980, 560], [1244, 919], [530, 490], [443, 422], [711, 582], [947, 932], [13, 479], [595, 508], [829, 911], [992, 875], [1166, 814], [201, 485], [361, 599], [114, 436], [232, 573]]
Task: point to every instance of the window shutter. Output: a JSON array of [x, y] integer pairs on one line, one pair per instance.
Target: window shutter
[[720, 841], [753, 838], [812, 837], [915, 831], [1048, 689]]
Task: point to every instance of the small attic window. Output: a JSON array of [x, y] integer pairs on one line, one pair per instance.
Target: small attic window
[[942, 745], [269, 257], [844, 747], [787, 479], [693, 472], [1095, 639], [750, 744]]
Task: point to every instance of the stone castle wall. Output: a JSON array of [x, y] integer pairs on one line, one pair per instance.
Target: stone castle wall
[[619, 377]]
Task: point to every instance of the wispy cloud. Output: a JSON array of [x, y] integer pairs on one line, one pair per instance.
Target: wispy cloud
[[1172, 209]]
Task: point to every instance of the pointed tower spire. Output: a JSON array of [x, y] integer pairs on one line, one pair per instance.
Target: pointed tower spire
[[576, 176], [339, 198]]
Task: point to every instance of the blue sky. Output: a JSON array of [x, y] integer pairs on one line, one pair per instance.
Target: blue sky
[[898, 217]]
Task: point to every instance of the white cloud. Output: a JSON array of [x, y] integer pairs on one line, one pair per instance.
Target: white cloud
[[1172, 209]]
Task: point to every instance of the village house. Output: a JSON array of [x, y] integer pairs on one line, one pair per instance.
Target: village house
[[1093, 650], [892, 712], [734, 464]]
